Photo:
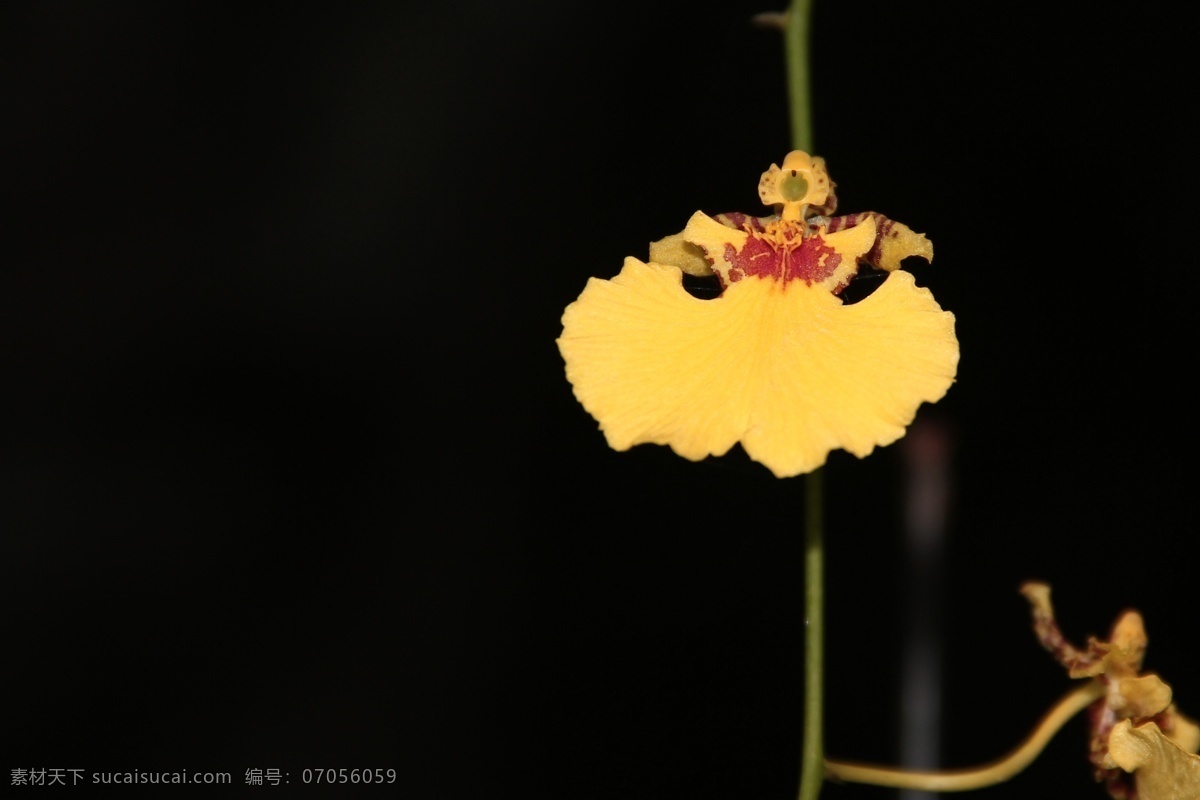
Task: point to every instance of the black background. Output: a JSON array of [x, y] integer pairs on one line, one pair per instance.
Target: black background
[[290, 475]]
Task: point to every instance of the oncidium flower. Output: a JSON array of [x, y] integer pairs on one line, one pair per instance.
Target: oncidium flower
[[1135, 727], [777, 361]]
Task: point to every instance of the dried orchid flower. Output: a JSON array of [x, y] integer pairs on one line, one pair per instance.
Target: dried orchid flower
[[777, 361], [1135, 727], [1141, 746]]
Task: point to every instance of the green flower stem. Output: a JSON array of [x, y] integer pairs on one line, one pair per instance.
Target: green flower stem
[[812, 759], [812, 756], [795, 36]]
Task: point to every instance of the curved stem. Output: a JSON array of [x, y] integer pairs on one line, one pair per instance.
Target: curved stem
[[961, 780], [812, 754], [795, 38]]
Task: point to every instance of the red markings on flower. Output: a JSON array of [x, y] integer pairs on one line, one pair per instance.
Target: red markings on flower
[[739, 221], [784, 252], [884, 229]]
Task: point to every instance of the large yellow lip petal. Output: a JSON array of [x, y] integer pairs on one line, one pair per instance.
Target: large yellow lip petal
[[785, 369]]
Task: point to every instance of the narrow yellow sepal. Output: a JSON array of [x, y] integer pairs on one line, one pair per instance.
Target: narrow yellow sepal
[[704, 231], [676, 251], [901, 242]]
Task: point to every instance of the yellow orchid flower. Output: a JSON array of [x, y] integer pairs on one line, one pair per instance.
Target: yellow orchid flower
[[1134, 725], [777, 361]]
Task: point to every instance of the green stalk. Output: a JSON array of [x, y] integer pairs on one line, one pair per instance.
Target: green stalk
[[812, 756], [795, 36]]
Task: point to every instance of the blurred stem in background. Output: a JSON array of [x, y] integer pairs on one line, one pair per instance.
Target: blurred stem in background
[[926, 451]]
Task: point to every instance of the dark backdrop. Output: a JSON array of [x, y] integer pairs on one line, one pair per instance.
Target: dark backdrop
[[290, 475]]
